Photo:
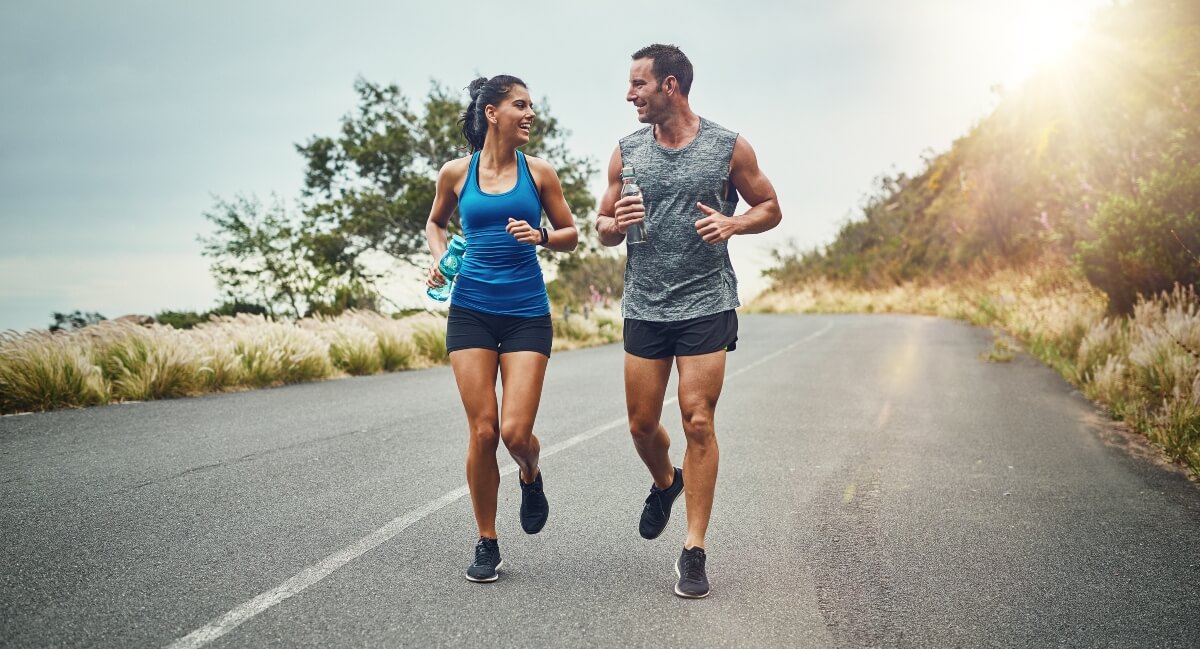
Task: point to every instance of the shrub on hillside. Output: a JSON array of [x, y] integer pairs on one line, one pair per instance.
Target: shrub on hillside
[[190, 319], [180, 319], [1147, 243]]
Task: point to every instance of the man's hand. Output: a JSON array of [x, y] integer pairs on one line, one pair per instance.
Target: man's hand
[[715, 227], [629, 212]]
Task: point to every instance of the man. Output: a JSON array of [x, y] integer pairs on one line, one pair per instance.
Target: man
[[680, 290]]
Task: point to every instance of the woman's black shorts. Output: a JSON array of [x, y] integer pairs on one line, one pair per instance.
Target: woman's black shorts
[[471, 329]]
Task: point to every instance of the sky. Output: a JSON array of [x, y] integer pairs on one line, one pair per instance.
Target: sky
[[122, 122]]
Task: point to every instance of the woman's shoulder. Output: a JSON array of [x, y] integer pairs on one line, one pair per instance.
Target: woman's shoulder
[[456, 168], [538, 166]]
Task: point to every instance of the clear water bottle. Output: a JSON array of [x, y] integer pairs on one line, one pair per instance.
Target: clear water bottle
[[449, 264], [636, 233]]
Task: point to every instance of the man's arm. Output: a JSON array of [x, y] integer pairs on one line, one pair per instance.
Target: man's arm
[[616, 214], [755, 188]]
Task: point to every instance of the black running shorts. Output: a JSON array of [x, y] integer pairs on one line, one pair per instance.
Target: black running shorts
[[471, 329], [703, 335]]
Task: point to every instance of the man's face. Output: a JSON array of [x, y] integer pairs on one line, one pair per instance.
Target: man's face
[[645, 92]]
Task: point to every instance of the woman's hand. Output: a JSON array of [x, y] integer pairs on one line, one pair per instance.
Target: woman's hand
[[523, 232], [435, 279]]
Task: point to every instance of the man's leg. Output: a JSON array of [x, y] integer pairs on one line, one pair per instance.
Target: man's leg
[[645, 387], [700, 381]]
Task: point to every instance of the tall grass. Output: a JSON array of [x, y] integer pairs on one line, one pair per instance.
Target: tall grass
[[139, 363], [43, 371], [1143, 368], [600, 327], [122, 361]]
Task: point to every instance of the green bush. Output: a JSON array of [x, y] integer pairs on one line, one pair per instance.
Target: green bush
[[236, 308], [1147, 243], [180, 319], [359, 296], [190, 319]]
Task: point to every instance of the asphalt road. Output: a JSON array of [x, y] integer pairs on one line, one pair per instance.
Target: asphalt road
[[880, 486]]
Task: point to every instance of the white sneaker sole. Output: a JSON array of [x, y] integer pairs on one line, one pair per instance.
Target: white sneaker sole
[[489, 580], [683, 594]]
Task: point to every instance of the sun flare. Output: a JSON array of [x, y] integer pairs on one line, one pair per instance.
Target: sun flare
[[1041, 33]]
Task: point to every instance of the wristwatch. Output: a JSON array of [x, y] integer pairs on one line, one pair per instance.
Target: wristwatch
[[545, 237]]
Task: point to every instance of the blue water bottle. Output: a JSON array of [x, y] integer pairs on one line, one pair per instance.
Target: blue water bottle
[[449, 264]]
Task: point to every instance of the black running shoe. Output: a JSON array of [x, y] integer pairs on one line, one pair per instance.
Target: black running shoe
[[534, 507], [487, 561], [693, 582], [657, 511]]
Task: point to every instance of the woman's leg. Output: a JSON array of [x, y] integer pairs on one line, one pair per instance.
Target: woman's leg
[[522, 374], [475, 372]]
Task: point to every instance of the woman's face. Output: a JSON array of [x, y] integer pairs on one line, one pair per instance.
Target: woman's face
[[513, 116]]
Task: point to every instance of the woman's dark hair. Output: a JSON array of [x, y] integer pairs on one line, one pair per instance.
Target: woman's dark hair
[[483, 92]]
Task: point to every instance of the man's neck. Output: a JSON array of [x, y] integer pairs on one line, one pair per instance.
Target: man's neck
[[678, 130]]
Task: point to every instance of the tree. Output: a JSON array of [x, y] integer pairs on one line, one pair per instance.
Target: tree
[[370, 187], [74, 320], [589, 278], [262, 255], [367, 190]]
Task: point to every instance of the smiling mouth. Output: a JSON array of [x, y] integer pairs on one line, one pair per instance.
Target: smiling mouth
[[525, 126]]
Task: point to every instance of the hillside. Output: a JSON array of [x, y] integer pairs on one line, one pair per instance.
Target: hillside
[[1061, 161]]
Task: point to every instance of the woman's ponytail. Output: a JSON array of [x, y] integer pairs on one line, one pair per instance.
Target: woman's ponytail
[[484, 92]]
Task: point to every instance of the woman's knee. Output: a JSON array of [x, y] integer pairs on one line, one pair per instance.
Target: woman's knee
[[485, 435], [518, 437]]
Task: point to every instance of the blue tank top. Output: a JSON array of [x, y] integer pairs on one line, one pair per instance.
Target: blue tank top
[[499, 274]]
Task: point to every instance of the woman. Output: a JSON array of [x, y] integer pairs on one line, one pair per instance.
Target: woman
[[499, 311]]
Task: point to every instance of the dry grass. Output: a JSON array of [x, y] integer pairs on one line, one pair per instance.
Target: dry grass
[[1144, 368], [122, 361], [599, 328]]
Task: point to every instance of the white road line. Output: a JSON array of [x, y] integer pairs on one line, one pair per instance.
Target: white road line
[[323, 568]]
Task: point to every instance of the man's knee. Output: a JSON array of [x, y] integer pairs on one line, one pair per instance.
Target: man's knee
[[643, 428], [698, 425]]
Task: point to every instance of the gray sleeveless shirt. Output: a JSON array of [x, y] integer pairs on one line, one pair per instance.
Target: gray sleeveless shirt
[[676, 275]]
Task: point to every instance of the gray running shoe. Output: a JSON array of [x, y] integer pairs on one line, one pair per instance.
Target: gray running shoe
[[487, 561], [534, 508], [657, 511], [693, 582]]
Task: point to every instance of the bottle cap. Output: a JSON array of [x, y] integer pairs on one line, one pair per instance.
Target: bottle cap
[[627, 172]]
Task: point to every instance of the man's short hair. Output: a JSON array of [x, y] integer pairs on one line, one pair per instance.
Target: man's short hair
[[668, 61]]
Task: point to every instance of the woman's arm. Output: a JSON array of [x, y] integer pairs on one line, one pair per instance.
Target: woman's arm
[[563, 236], [444, 200]]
